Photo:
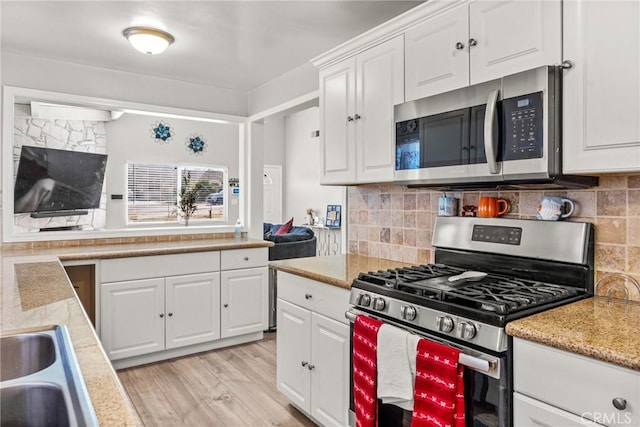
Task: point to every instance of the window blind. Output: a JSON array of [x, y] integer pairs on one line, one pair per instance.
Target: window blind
[[153, 192]]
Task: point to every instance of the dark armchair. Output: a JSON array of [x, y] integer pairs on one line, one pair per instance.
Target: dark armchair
[[299, 242]]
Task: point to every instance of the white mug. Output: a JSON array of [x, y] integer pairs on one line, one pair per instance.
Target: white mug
[[552, 208]]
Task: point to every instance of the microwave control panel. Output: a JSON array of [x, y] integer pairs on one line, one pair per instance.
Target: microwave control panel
[[523, 126]]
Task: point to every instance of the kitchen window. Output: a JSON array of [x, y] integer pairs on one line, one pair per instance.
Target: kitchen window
[[153, 191]]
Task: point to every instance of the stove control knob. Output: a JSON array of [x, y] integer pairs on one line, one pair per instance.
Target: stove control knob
[[466, 330], [445, 323], [408, 312], [363, 300], [379, 304]]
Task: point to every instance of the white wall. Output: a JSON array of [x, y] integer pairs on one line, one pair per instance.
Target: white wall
[[76, 79], [274, 138], [302, 187], [290, 85], [129, 140]]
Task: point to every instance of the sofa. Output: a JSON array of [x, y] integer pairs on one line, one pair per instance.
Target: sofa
[[299, 242]]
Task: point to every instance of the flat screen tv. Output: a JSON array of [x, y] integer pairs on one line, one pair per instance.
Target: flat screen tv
[[58, 182]]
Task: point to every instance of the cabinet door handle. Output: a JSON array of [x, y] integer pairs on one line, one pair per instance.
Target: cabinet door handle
[[161, 315], [170, 314], [349, 118], [226, 305], [619, 403], [473, 42], [566, 64], [311, 367], [304, 363], [308, 296], [357, 117], [459, 46]]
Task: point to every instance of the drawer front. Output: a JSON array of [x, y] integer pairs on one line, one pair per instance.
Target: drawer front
[[244, 258], [529, 412], [119, 269], [578, 384], [322, 298]]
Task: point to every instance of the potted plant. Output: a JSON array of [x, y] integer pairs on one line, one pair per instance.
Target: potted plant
[[188, 195]]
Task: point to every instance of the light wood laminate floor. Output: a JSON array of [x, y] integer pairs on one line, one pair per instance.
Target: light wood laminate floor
[[234, 386]]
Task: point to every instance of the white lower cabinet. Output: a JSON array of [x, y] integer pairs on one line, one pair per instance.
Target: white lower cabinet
[[151, 308], [553, 387], [243, 294], [150, 315], [528, 412], [192, 309], [313, 349]]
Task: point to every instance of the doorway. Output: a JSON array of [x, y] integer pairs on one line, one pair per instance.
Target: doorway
[[272, 196]]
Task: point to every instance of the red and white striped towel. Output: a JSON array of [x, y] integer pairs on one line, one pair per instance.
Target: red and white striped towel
[[365, 339], [439, 387]]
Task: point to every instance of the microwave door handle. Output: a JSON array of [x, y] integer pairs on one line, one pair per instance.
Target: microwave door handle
[[491, 133]]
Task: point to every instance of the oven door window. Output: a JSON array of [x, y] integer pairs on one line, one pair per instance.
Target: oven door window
[[486, 404]]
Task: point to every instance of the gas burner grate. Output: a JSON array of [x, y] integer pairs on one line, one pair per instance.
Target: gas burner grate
[[508, 295], [400, 277]]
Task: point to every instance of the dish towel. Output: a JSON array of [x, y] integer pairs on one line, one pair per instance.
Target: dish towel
[[439, 388], [365, 338], [396, 366]]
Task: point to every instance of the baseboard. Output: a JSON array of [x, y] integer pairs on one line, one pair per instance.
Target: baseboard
[[185, 351]]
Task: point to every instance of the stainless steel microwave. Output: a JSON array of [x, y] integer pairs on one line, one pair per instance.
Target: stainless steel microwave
[[504, 132]]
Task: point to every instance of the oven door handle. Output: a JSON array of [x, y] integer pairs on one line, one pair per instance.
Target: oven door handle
[[491, 133], [489, 367]]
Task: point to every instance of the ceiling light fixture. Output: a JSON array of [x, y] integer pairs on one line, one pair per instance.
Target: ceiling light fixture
[[150, 41]]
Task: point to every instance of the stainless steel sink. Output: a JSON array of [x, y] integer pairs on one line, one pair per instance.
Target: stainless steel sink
[[34, 404], [24, 354], [41, 383]]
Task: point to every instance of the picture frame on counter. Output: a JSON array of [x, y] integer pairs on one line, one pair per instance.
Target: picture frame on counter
[[333, 216]]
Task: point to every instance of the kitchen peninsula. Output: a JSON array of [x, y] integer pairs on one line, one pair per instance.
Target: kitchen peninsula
[[37, 292]]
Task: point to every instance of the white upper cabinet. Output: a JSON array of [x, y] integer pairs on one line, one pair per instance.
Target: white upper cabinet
[[507, 37], [437, 56], [337, 132], [478, 41], [601, 92], [379, 86], [357, 96]]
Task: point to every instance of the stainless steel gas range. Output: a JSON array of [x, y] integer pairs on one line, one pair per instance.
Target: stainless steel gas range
[[487, 272]]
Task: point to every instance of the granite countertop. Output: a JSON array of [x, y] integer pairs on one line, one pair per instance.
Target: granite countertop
[[336, 270], [120, 250], [607, 330], [35, 291]]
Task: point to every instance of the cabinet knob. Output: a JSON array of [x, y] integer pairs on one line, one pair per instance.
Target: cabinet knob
[[349, 118], [308, 296], [619, 403], [226, 305], [357, 117], [311, 367], [170, 314], [459, 46], [304, 363], [161, 315], [566, 64], [473, 42], [246, 258]]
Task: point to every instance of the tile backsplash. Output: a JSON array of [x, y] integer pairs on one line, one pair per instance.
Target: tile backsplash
[[396, 222]]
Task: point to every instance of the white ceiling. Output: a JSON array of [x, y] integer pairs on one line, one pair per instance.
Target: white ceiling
[[231, 44]]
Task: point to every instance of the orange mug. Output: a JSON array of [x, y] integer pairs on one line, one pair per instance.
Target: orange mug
[[489, 207]]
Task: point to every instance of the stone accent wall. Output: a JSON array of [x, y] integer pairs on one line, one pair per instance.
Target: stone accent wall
[[396, 222], [73, 135]]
